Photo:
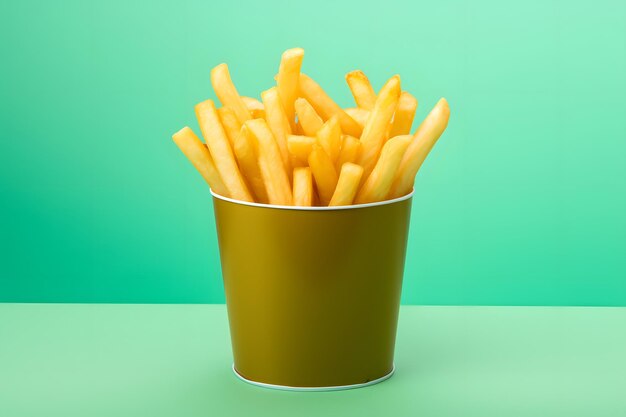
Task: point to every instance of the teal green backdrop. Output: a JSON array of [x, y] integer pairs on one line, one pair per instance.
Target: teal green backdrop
[[521, 202]]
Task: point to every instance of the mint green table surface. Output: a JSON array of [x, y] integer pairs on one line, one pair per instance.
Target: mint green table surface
[[174, 360]]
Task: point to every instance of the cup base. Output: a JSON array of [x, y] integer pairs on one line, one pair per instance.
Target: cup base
[[312, 389]]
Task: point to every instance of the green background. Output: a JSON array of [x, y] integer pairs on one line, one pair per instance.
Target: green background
[[522, 202]]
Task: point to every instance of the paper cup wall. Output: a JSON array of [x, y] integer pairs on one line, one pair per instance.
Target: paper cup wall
[[312, 293]]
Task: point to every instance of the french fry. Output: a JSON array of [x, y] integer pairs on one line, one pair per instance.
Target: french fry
[[302, 187], [247, 157], [350, 147], [374, 132], [362, 91], [324, 173], [423, 141], [377, 185], [405, 113], [309, 120], [271, 163], [227, 93], [220, 149], [326, 107], [278, 123], [300, 148], [287, 81], [199, 156], [329, 136], [387, 133], [316, 197], [347, 185], [358, 114], [255, 107], [229, 121]]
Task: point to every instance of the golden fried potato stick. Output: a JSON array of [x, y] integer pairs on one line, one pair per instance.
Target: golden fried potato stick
[[329, 136], [229, 121], [324, 173], [326, 107], [358, 114], [302, 187], [316, 197], [309, 120], [247, 157], [423, 141], [347, 186], [255, 107], [362, 91], [287, 81], [278, 123], [271, 163], [300, 148], [350, 147], [405, 113], [377, 185], [199, 156], [220, 149], [387, 133], [227, 93], [374, 132]]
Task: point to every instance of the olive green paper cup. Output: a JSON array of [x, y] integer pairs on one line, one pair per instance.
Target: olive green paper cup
[[312, 293]]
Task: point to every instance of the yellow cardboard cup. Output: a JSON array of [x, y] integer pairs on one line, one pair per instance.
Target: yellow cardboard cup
[[312, 293]]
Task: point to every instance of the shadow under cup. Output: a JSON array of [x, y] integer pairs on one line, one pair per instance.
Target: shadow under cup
[[312, 293]]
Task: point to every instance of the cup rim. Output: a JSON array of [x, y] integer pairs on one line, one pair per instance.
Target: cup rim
[[313, 208]]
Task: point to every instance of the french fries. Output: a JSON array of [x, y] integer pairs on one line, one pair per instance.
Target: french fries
[[403, 118], [199, 156], [302, 187], [326, 107], [299, 147], [350, 147], [227, 93], [329, 136], [220, 149], [278, 123], [229, 121], [255, 107], [377, 185], [359, 115], [377, 123], [309, 120], [362, 91], [324, 173], [423, 141], [270, 162], [347, 185], [246, 153], [287, 81]]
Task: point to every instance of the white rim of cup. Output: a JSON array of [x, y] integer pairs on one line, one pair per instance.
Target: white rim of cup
[[314, 208], [315, 389]]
